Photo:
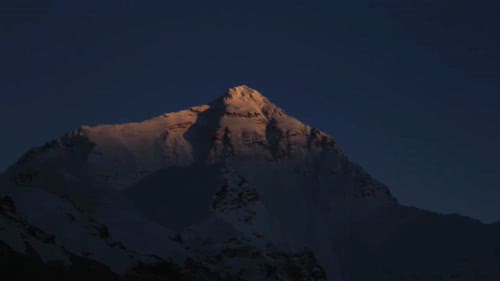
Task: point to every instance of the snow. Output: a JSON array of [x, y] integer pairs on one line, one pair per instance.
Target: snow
[[256, 128], [71, 228], [81, 234], [140, 234]]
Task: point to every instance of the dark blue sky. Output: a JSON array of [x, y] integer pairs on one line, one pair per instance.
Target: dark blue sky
[[409, 89]]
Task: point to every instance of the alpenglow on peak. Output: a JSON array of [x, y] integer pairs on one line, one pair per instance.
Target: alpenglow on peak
[[243, 99], [246, 94], [241, 125]]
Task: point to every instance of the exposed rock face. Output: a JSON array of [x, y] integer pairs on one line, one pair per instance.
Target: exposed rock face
[[232, 190], [236, 239]]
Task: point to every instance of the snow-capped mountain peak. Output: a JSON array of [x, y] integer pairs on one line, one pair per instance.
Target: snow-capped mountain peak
[[245, 94], [242, 124], [238, 180], [243, 101]]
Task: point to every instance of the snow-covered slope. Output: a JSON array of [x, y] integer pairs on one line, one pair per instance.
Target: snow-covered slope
[[56, 229], [58, 241], [239, 172]]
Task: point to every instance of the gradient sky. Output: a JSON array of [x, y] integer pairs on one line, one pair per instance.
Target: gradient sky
[[409, 89]]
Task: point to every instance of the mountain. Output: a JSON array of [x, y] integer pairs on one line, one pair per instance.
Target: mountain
[[232, 190]]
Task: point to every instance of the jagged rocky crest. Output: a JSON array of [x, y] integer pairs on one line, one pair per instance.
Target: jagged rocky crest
[[232, 190]]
